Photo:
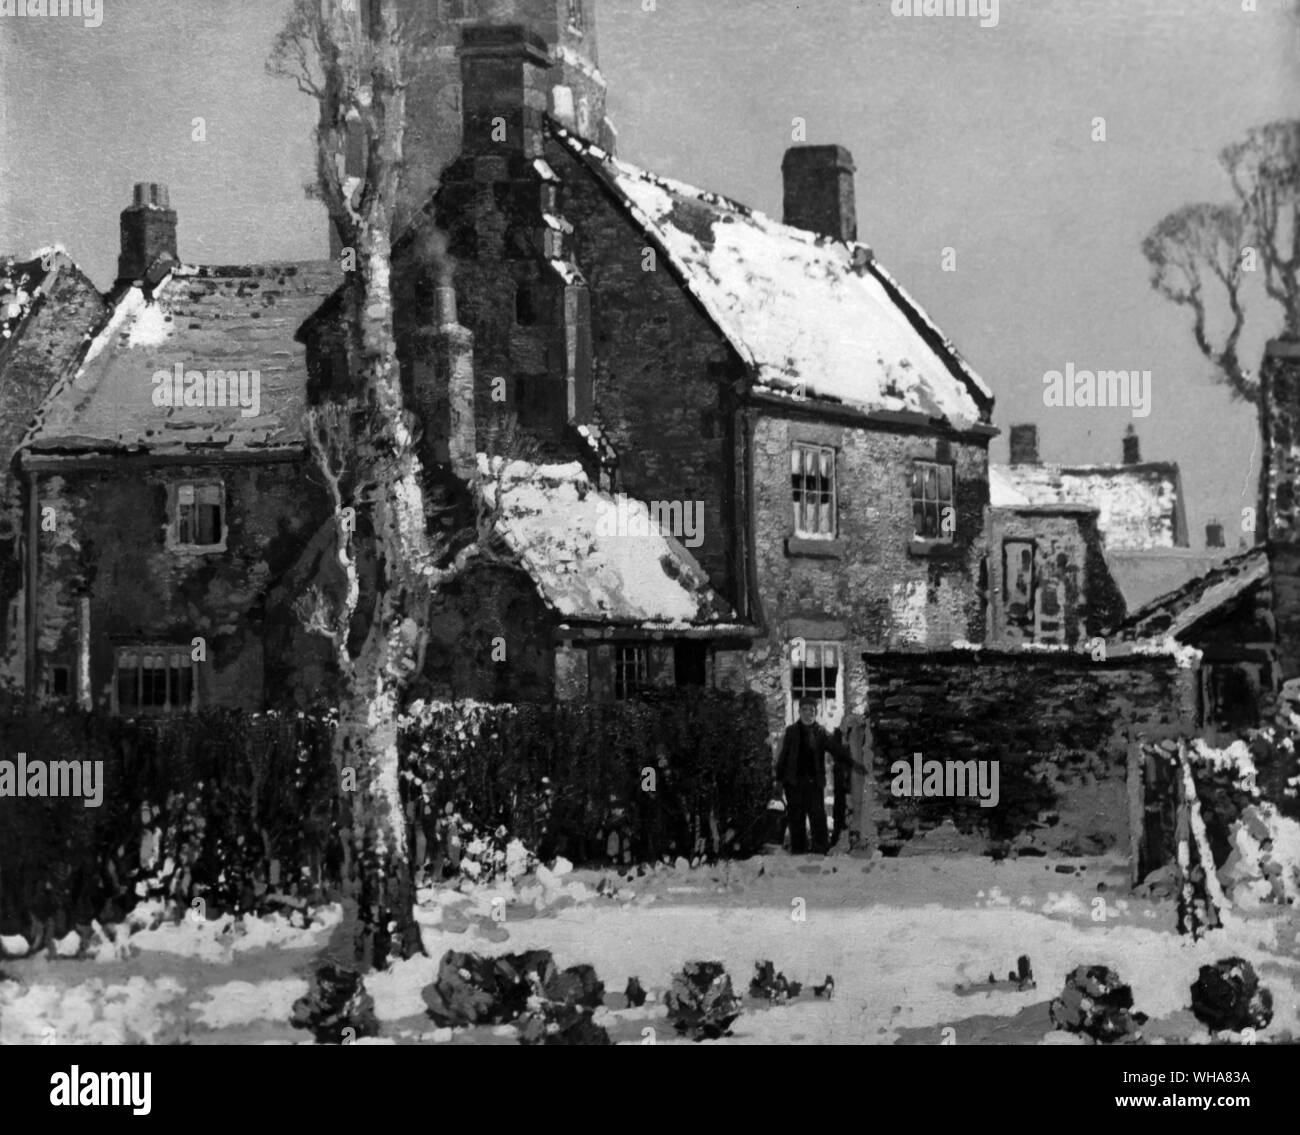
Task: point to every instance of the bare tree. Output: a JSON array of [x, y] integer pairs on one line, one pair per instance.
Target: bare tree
[[352, 57], [1203, 255]]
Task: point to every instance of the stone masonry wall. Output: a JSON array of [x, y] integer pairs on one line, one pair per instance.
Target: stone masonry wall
[[661, 370], [1059, 725], [878, 589], [109, 543]]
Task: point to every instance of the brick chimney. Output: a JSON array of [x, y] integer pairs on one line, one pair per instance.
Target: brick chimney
[[1132, 447], [505, 90], [820, 193], [1214, 535], [148, 231], [1024, 444]]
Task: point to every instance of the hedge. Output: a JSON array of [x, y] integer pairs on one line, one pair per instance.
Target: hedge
[[233, 807]]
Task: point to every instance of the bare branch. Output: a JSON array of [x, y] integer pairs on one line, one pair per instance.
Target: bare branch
[[1188, 245]]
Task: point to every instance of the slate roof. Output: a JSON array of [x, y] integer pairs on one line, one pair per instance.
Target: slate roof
[[1138, 506], [802, 311], [1177, 614], [205, 318], [594, 557]]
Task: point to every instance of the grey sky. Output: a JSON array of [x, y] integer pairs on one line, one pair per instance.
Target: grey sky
[[975, 139]]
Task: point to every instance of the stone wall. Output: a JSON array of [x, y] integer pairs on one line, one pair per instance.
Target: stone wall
[[1073, 595], [874, 586], [662, 370], [1058, 723], [109, 544], [48, 343]]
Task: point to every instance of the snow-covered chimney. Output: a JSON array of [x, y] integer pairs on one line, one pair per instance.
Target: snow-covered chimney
[[820, 193], [148, 231]]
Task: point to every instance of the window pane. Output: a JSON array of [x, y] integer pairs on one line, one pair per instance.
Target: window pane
[[945, 483], [931, 483], [126, 679]]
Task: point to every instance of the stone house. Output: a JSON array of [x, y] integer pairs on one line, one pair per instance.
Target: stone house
[[668, 353], [770, 378], [167, 484]]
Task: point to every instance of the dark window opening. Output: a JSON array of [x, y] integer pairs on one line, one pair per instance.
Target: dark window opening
[[1018, 584], [526, 313], [154, 680], [689, 663], [58, 682]]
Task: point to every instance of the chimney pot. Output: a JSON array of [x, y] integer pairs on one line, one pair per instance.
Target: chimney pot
[[820, 192], [1132, 447], [1024, 444]]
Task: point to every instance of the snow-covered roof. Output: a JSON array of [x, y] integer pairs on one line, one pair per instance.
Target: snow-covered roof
[[808, 314], [23, 280], [1175, 615], [1138, 506], [596, 557], [202, 318]]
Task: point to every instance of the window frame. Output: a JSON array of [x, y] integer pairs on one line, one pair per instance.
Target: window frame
[[920, 466], [799, 450], [196, 486], [139, 651], [641, 665], [797, 657]]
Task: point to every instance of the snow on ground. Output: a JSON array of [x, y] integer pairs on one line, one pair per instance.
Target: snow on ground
[[897, 934]]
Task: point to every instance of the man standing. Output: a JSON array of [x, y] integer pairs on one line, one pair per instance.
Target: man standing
[[801, 769]]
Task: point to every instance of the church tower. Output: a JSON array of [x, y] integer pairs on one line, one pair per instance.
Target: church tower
[[434, 112]]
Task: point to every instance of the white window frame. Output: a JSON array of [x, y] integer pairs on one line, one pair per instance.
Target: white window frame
[[175, 658], [830, 711], [920, 465], [823, 459], [176, 494]]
